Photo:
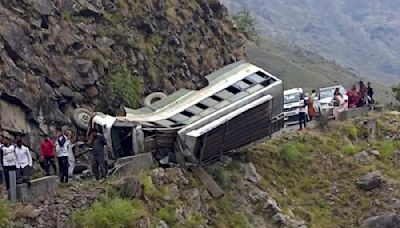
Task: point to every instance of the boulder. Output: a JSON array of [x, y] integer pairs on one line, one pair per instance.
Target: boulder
[[129, 187], [162, 224], [251, 173], [279, 218], [365, 157], [13, 118], [272, 207], [104, 42], [44, 7], [256, 195], [387, 220], [84, 8], [370, 181], [16, 48], [376, 153]]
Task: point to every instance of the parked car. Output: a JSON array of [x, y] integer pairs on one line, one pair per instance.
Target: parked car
[[242, 103], [325, 97], [291, 105]]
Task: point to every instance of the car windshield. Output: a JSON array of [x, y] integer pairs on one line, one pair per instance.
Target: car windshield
[[328, 92], [290, 98]]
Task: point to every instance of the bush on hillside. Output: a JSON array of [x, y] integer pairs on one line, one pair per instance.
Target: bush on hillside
[[396, 91], [246, 24], [4, 214], [124, 84], [293, 152], [109, 213]]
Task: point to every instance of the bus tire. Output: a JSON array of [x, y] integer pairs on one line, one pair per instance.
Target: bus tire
[[154, 97], [81, 117]]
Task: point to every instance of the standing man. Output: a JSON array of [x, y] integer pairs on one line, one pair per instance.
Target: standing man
[[1, 160], [24, 163], [62, 155], [10, 166], [71, 156], [302, 112], [362, 92], [98, 161], [47, 154], [370, 93]]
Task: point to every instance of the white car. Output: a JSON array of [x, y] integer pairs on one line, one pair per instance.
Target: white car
[[325, 97], [291, 105]]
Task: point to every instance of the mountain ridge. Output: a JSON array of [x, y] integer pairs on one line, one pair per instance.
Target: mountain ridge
[[357, 34]]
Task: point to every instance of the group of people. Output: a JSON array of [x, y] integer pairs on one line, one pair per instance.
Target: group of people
[[361, 96], [16, 157], [356, 98], [62, 148]]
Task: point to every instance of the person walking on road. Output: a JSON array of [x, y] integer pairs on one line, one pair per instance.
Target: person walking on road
[[47, 155], [24, 163], [98, 161], [302, 112], [62, 155], [71, 156]]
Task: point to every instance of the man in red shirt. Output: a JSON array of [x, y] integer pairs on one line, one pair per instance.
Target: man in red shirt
[[47, 154]]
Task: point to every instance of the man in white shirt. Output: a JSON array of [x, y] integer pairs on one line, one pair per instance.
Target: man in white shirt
[[24, 163], [9, 161], [62, 155], [302, 112], [1, 159]]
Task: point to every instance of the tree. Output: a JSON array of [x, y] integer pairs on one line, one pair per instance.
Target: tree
[[124, 84], [246, 24], [396, 91]]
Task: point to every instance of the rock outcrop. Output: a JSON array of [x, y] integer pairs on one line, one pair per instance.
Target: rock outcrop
[[384, 221], [56, 56], [370, 181]]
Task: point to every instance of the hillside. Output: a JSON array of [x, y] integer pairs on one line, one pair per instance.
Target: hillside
[[298, 67], [56, 56], [343, 176], [357, 34]]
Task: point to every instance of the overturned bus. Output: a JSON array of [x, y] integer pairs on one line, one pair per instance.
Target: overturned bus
[[242, 103]]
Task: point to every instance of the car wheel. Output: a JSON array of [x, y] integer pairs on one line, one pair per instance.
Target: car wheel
[[153, 97], [81, 117]]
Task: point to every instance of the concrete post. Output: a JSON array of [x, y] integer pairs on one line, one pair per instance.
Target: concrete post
[[12, 192]]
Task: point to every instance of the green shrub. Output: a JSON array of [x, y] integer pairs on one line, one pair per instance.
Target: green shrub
[[228, 216], [148, 187], [194, 220], [293, 152], [124, 84], [350, 149], [351, 131], [221, 176], [246, 23], [109, 213], [4, 214], [168, 214], [386, 149]]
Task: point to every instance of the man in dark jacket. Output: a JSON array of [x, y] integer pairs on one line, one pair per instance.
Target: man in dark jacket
[[98, 163], [370, 93]]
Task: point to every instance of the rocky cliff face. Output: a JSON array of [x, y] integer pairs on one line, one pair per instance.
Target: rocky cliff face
[[57, 55]]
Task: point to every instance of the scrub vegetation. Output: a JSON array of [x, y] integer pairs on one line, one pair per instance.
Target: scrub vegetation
[[311, 174]]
